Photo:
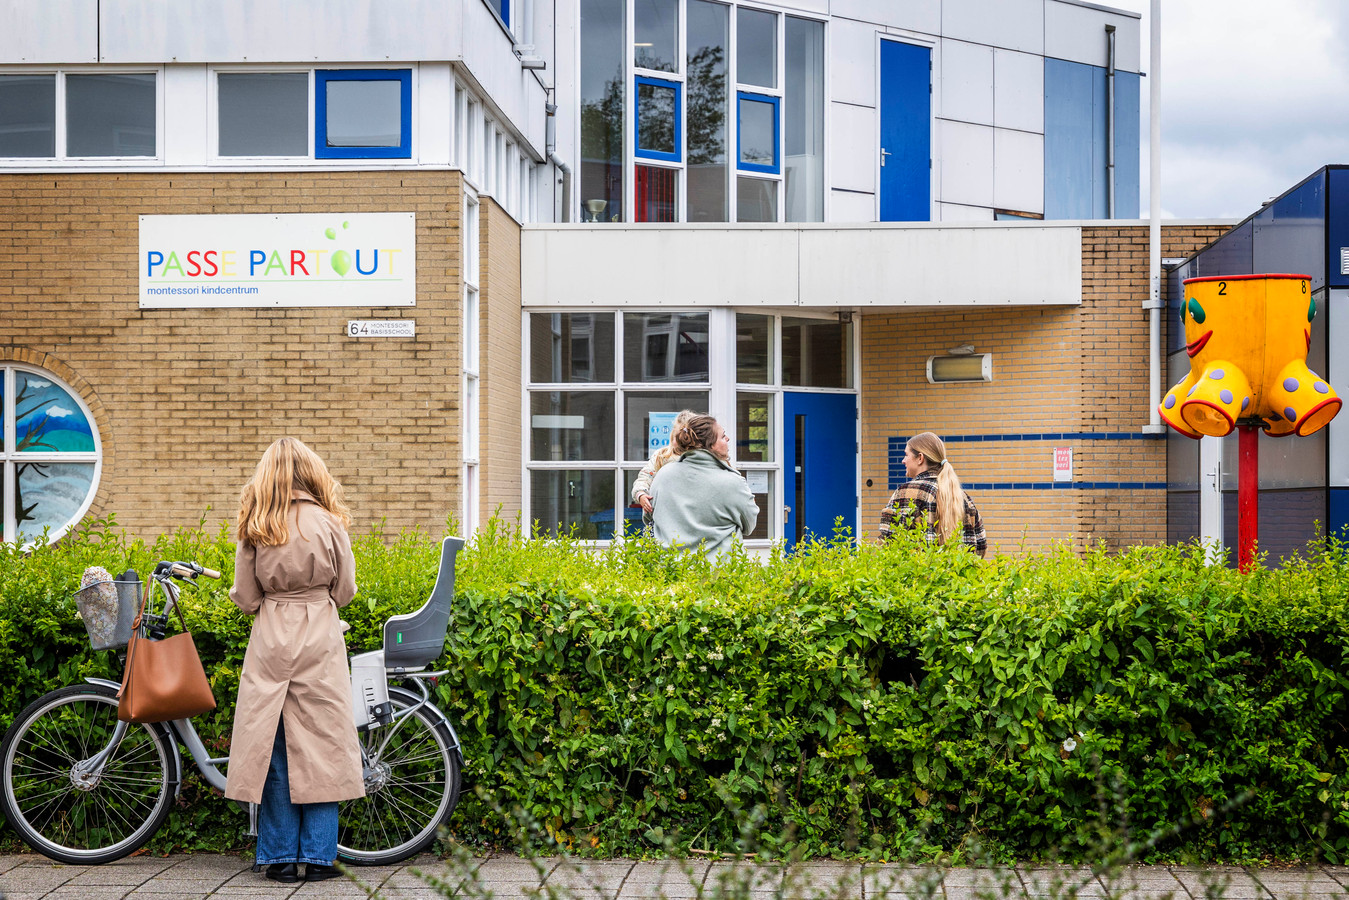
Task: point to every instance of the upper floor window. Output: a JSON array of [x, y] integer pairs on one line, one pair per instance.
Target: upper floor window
[[363, 113], [718, 132], [263, 113], [49, 454], [351, 113], [77, 115]]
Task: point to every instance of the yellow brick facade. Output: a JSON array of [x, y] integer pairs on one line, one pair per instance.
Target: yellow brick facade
[[1079, 369], [501, 414], [186, 400]]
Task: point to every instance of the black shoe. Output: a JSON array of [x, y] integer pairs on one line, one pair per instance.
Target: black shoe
[[314, 872], [286, 873]]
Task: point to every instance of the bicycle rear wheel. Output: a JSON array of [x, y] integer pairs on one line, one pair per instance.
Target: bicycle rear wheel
[[76, 816], [411, 788]]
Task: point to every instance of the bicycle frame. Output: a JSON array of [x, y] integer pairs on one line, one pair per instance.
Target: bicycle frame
[[186, 733]]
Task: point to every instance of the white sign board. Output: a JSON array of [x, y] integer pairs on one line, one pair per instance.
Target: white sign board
[[299, 259], [1063, 463], [758, 482], [382, 328]]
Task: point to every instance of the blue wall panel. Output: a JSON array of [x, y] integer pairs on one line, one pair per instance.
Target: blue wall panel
[[1337, 522], [1069, 141], [1076, 140], [1127, 86], [1337, 223]]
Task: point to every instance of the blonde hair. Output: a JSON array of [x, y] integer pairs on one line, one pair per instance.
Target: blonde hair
[[264, 502], [950, 495], [668, 452]]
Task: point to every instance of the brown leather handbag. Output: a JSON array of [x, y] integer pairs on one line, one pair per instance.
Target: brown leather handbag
[[163, 680]]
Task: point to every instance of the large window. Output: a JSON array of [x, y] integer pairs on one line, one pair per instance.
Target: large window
[[603, 26], [731, 128], [49, 454], [76, 115], [604, 387], [600, 385]]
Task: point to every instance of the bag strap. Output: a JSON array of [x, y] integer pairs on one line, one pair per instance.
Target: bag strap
[[135, 640]]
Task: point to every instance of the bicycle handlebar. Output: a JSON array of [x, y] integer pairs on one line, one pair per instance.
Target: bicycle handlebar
[[188, 570]]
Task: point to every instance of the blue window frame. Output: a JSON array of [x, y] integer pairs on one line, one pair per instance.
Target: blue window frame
[[754, 112], [367, 127], [658, 119], [503, 9]]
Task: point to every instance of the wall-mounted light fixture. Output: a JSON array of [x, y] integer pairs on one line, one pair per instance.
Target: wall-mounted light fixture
[[960, 364]]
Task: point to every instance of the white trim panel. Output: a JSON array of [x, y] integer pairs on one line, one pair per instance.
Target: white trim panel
[[802, 266]]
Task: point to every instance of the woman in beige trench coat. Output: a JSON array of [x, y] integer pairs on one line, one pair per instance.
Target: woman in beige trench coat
[[294, 749]]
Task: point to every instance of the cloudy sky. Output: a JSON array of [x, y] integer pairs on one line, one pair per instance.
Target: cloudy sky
[[1255, 97]]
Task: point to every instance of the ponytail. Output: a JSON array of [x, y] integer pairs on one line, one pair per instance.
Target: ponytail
[[950, 495]]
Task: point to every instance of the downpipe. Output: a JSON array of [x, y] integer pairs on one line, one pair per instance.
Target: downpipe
[[550, 144]]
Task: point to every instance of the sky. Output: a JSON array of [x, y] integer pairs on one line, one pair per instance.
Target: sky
[[1255, 97]]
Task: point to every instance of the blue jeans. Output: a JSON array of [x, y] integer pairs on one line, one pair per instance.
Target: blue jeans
[[292, 832]]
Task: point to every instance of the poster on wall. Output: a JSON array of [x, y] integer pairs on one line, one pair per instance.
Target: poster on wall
[[659, 426], [297, 259]]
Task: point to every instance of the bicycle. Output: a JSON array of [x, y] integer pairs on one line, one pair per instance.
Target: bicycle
[[81, 787]]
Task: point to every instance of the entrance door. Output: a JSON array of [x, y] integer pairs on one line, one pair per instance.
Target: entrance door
[[906, 132], [819, 463]]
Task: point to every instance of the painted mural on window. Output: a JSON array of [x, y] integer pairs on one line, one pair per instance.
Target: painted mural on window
[[50, 470]]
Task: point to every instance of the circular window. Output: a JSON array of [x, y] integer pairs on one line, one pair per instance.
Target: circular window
[[50, 453]]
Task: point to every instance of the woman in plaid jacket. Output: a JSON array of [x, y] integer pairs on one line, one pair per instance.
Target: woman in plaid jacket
[[932, 500]]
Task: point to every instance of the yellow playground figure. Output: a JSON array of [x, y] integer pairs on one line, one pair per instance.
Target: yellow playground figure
[[1247, 337]]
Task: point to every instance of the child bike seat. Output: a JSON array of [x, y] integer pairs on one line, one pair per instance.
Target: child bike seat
[[415, 640]]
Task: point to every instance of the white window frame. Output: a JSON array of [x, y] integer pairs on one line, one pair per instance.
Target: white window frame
[[470, 437], [63, 160], [214, 158], [9, 458]]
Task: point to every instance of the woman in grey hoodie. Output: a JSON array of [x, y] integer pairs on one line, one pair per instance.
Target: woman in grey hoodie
[[701, 502]]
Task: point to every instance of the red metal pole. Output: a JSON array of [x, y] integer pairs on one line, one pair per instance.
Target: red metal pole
[[1248, 494]]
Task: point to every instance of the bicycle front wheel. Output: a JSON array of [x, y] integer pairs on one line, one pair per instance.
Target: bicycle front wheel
[[59, 801], [411, 788]]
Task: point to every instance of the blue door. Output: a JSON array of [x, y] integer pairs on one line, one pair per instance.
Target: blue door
[[906, 132], [819, 463]]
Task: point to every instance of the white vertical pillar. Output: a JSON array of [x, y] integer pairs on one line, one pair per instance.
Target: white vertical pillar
[[721, 369]]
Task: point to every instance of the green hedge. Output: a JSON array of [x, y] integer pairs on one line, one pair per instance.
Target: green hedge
[[875, 700]]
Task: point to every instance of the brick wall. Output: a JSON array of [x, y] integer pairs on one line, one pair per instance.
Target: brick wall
[[1056, 371], [186, 400], [500, 364]]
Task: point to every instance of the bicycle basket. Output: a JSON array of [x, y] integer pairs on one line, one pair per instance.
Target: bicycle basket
[[108, 606]]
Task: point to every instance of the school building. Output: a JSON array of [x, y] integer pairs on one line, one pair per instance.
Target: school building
[[478, 252]]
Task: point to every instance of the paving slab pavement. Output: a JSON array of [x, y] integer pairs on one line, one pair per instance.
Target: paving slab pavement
[[505, 877]]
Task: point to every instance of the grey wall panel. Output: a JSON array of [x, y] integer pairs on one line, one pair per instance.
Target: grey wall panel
[[1337, 332], [137, 31], [1230, 254], [49, 32], [1290, 233]]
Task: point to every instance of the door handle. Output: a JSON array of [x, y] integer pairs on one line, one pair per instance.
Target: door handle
[[786, 511], [884, 154]]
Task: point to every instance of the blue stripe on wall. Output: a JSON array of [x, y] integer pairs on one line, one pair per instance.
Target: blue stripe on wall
[[895, 461]]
